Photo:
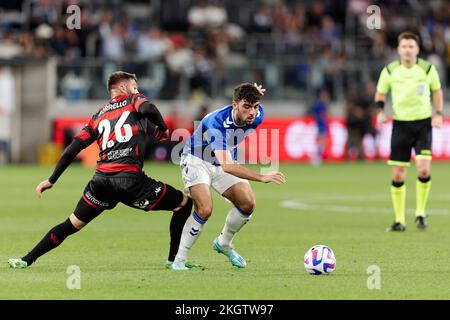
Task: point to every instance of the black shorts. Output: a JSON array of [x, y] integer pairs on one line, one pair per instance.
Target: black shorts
[[407, 135], [135, 190]]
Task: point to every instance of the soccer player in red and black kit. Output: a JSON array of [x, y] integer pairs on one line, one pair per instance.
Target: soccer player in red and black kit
[[119, 127]]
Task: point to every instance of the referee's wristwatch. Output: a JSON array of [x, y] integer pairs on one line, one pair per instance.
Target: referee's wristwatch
[[438, 113]]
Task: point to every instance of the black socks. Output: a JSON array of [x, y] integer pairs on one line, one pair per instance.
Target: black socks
[[50, 241], [397, 184], [424, 180]]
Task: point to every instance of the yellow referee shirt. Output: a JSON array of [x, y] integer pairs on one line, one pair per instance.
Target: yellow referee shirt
[[410, 89]]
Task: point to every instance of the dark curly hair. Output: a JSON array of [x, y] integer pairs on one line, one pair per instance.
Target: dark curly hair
[[246, 91]]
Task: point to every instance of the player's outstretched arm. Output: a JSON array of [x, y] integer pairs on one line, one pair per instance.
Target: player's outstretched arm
[[66, 159], [234, 168]]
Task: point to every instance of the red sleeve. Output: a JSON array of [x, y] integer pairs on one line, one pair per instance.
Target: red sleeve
[[86, 135], [138, 99]]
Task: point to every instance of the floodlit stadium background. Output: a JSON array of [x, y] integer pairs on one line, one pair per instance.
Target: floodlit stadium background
[[188, 55]]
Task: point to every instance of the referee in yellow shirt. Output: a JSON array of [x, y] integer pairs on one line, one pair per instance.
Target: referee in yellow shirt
[[411, 81]]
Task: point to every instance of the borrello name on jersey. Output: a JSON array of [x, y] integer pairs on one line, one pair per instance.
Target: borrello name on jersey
[[218, 131], [119, 130]]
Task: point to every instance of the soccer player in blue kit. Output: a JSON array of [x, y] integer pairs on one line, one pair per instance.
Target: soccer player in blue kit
[[209, 159]]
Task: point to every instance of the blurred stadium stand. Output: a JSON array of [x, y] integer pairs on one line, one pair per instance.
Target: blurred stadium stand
[[187, 53]]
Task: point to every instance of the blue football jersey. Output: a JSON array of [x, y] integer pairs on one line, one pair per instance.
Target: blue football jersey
[[217, 131]]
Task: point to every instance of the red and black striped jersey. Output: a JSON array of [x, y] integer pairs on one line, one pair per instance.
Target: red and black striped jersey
[[119, 129]]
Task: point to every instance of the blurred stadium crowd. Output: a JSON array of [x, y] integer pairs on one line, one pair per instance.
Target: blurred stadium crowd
[[197, 48]]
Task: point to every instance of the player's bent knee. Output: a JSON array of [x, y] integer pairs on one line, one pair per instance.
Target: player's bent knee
[[77, 223], [183, 202], [248, 206], [204, 211]]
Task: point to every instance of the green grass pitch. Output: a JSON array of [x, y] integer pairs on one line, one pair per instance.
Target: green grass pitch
[[122, 253]]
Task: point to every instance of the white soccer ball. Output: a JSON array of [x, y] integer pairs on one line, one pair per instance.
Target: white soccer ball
[[319, 259]]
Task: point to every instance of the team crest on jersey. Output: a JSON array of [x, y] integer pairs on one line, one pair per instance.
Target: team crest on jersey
[[420, 89], [227, 123]]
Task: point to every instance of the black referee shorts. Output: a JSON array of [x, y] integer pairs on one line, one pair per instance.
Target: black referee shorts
[[135, 190], [407, 135]]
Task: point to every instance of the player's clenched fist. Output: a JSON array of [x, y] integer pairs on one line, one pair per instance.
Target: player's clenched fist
[[161, 135]]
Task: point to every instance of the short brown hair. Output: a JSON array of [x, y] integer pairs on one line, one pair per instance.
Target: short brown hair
[[247, 91], [118, 76], [408, 35]]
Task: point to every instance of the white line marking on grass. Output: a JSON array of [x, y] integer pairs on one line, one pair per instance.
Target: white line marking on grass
[[301, 205], [343, 197]]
